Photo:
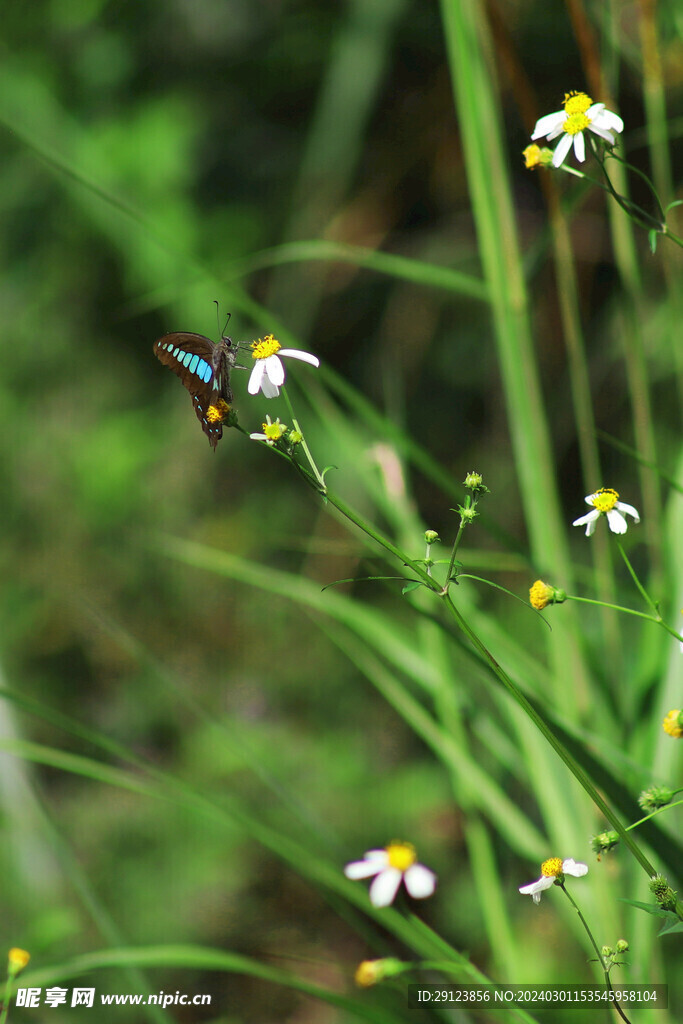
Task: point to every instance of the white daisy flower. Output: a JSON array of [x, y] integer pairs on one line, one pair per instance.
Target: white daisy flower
[[398, 861], [272, 432], [552, 871], [269, 373], [578, 114], [605, 503]]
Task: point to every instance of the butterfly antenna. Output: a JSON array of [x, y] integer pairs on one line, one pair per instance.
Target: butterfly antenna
[[218, 322]]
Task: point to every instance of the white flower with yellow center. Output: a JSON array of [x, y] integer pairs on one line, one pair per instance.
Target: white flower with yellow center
[[606, 502], [552, 871], [272, 431], [578, 114], [398, 861], [268, 373]]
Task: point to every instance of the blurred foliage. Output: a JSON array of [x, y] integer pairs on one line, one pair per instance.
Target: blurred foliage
[[147, 149]]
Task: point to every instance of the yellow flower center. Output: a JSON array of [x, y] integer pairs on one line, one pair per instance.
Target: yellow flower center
[[576, 102], [401, 855], [266, 347], [274, 431], [532, 156], [552, 867], [605, 499], [576, 123], [217, 413]]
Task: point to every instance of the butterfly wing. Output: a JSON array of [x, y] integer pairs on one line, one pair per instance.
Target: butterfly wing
[[204, 369]]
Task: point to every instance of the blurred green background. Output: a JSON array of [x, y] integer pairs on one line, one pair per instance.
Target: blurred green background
[[151, 156]]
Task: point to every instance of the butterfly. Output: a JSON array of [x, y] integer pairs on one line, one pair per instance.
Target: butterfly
[[204, 368]]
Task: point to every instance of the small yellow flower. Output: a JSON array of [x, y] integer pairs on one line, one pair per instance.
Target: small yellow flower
[[537, 156], [272, 431], [532, 155], [17, 960], [369, 972], [542, 594], [673, 724], [218, 412]]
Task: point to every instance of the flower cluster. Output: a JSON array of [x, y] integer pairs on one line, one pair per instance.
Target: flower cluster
[[578, 114]]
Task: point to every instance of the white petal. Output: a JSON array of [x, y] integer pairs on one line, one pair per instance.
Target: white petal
[[590, 498], [269, 389], [305, 357], [628, 509], [603, 133], [256, 376], [561, 150], [365, 868], [379, 855], [385, 887], [549, 123], [617, 523], [579, 147], [420, 881], [536, 888], [588, 518], [604, 118], [573, 867], [258, 437], [555, 132], [274, 370]]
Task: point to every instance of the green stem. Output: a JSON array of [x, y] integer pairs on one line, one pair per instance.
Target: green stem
[[6, 999], [644, 177], [295, 423], [598, 952], [643, 592], [657, 619], [659, 810], [456, 542], [670, 234], [630, 208], [549, 735]]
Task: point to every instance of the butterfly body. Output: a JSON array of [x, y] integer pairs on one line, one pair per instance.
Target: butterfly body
[[204, 369]]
